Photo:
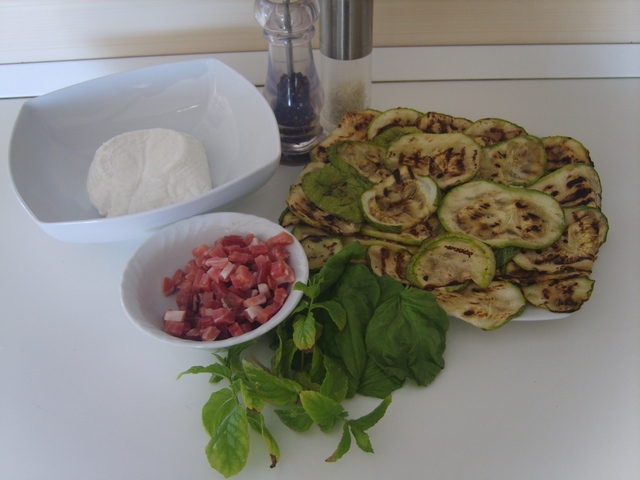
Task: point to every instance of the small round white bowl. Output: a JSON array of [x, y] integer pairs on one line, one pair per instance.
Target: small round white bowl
[[56, 136], [170, 249]]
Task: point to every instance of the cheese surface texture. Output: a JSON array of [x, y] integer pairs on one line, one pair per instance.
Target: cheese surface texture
[[146, 169]]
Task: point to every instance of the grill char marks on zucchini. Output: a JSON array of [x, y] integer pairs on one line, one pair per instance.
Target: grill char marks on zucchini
[[391, 118], [386, 260], [572, 185], [434, 122], [353, 126], [502, 216], [489, 131], [517, 161], [563, 151], [564, 293], [449, 158]]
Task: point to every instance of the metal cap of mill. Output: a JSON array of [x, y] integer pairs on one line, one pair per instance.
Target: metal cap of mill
[[346, 28]]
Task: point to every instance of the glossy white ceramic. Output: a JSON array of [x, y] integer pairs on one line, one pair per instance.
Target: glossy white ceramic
[[56, 135], [170, 249]]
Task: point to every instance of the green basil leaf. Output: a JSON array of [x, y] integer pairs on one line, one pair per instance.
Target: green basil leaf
[[335, 311], [335, 265], [296, 418], [256, 422], [323, 410], [228, 449], [389, 288], [277, 391], [304, 331], [369, 420], [336, 383], [251, 399], [220, 404], [362, 439], [343, 446], [374, 382], [407, 336]]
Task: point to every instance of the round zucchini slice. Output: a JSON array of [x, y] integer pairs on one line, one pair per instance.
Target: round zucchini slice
[[319, 249], [359, 158], [563, 293], [517, 161], [353, 126], [449, 158], [389, 260], [562, 151], [502, 216], [489, 131], [573, 185], [576, 249], [335, 191], [393, 117], [486, 308], [452, 259], [401, 201], [391, 134], [413, 236], [434, 122]]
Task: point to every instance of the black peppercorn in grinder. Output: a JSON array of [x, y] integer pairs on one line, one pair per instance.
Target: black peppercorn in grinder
[[292, 87]]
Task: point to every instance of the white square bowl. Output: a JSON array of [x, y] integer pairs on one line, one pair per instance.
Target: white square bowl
[[56, 136]]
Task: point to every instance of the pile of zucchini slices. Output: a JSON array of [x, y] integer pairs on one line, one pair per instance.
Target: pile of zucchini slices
[[482, 214]]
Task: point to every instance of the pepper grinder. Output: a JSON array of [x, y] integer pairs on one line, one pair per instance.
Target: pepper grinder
[[346, 43], [292, 87]]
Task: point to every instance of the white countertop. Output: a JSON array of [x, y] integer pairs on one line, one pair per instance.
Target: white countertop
[[85, 395]]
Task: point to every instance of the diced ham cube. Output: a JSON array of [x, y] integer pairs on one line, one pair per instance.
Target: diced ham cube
[[177, 329]]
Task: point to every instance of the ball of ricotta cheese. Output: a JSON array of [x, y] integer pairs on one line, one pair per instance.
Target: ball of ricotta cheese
[[146, 169]]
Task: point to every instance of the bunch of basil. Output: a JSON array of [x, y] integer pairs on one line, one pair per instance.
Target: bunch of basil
[[353, 332]]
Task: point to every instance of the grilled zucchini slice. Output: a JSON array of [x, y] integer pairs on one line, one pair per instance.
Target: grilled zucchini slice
[[576, 249], [434, 122], [517, 161], [359, 158], [389, 260], [401, 201], [563, 293], [563, 150], [335, 191], [452, 259], [486, 308], [353, 126], [319, 249], [489, 131], [413, 236], [391, 134], [502, 216], [449, 158], [573, 185], [394, 117]]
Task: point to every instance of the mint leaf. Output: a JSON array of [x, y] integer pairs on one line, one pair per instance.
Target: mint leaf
[[217, 408], [296, 418], [256, 422], [362, 439], [369, 420], [228, 448], [343, 446], [304, 331], [251, 399], [335, 382], [323, 410], [217, 371], [277, 391]]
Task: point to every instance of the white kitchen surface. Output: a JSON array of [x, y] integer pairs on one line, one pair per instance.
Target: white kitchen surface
[[85, 395]]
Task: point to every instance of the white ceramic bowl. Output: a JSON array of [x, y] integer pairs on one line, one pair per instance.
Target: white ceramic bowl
[[170, 249], [56, 136]]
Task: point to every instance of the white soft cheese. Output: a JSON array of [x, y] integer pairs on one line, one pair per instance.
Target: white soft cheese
[[145, 169]]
